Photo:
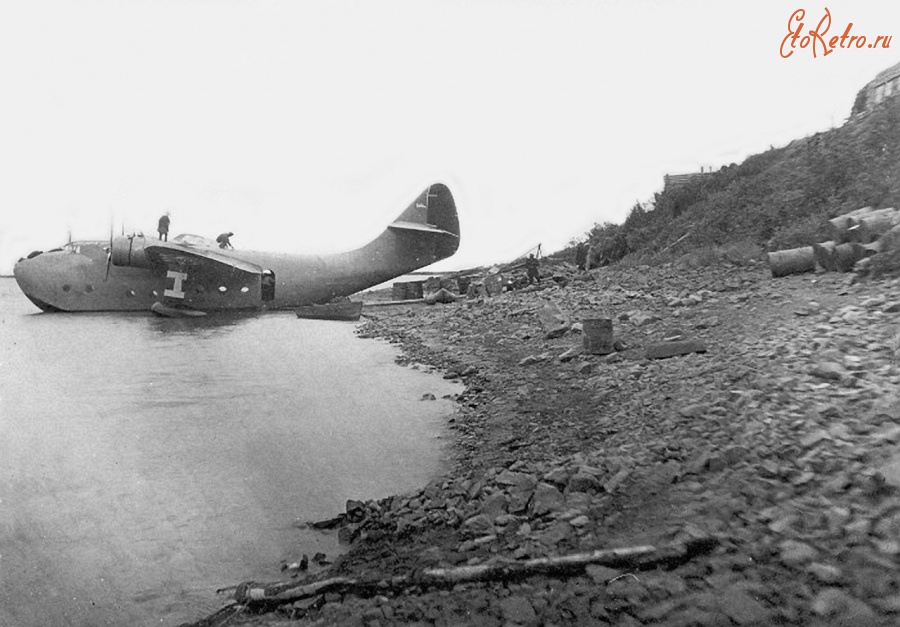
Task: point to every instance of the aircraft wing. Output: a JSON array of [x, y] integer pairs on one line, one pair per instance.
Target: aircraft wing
[[175, 256]]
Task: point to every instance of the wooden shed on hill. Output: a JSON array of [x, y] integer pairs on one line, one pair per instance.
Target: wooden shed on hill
[[885, 84], [674, 181]]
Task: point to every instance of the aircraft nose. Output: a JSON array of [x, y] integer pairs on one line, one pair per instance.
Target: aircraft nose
[[27, 272], [23, 271]]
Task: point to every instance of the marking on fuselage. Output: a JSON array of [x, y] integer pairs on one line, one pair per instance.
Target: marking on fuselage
[[176, 291]]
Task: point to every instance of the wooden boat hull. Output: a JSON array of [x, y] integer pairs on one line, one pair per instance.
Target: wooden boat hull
[[331, 311]]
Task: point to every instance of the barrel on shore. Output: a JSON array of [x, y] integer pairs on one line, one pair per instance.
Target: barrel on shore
[[876, 224], [398, 291], [407, 290], [841, 225], [414, 289], [598, 336], [846, 255], [824, 254], [792, 261]]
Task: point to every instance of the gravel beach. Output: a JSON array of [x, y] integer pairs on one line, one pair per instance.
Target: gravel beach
[[743, 441]]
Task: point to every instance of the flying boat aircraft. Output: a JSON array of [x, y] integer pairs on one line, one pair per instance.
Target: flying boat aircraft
[[192, 275]]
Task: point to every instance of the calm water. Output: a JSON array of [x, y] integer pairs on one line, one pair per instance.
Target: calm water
[[146, 462]]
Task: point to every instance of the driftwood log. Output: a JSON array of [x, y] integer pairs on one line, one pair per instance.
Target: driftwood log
[[441, 296], [680, 239], [792, 261], [637, 558], [663, 350]]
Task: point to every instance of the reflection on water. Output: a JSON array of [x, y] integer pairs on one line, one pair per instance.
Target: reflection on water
[[201, 326], [148, 461]]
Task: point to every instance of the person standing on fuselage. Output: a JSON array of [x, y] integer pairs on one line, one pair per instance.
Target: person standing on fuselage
[[163, 227]]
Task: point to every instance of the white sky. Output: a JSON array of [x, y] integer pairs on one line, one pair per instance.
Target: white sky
[[307, 126]]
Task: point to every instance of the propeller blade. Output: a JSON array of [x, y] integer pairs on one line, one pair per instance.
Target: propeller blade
[[109, 253]]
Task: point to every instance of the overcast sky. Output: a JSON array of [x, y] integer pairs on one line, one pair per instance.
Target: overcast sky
[[308, 126]]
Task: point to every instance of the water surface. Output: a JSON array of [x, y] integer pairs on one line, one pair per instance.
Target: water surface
[[146, 462]]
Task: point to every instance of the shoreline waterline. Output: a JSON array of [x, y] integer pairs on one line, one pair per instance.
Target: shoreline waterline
[[151, 463]]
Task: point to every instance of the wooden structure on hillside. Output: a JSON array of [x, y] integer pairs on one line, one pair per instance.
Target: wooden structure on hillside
[[677, 181], [885, 84]]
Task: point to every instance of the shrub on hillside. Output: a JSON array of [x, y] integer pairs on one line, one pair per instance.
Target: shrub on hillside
[[779, 199], [735, 253], [609, 243], [807, 231]]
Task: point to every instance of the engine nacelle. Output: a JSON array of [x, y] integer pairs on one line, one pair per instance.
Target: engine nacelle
[[129, 251]]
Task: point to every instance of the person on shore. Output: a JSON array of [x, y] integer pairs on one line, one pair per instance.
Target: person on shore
[[225, 240], [580, 255], [589, 261], [531, 268], [267, 283], [163, 227]]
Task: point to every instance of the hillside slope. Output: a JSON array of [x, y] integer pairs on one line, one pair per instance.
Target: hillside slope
[[777, 199]]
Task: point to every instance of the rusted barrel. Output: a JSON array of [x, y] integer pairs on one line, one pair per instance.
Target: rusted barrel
[[598, 335], [414, 289], [871, 227], [824, 254], [793, 261], [845, 255], [398, 292], [494, 283]]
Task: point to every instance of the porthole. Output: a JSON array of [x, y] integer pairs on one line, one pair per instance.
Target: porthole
[[245, 289], [67, 287], [88, 288], [130, 293], [223, 289], [200, 289], [154, 293]]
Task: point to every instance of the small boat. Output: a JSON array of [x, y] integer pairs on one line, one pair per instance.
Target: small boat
[[345, 310], [175, 312]]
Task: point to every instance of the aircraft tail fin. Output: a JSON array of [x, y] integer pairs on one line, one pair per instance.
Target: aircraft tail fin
[[425, 232], [432, 213]]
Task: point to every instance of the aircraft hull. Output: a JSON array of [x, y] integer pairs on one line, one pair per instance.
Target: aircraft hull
[[84, 276], [74, 279]]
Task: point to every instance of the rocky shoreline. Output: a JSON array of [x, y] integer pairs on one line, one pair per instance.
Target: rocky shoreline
[[762, 465]]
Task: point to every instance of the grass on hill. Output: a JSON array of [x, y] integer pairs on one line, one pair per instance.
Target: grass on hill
[[782, 198]]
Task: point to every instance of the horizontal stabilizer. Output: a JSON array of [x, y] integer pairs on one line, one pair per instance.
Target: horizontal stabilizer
[[419, 227]]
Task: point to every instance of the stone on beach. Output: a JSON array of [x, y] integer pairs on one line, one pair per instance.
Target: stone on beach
[[777, 441]]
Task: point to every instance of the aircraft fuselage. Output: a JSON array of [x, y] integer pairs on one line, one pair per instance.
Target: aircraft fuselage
[[194, 273]]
